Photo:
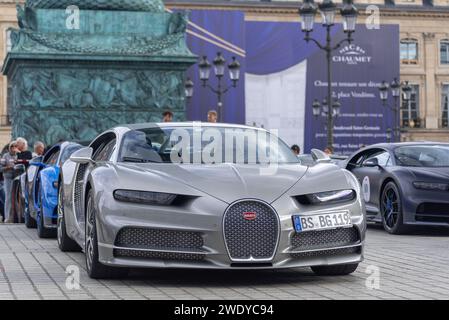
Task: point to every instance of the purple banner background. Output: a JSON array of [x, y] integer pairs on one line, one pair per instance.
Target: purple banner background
[[378, 52], [276, 46], [229, 26]]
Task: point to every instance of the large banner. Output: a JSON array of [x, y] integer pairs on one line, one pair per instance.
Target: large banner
[[285, 74], [208, 33], [358, 69], [282, 75]]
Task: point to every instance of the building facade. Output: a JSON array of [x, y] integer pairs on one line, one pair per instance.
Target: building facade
[[424, 52]]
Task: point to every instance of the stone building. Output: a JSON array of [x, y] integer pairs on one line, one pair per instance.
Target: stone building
[[424, 52]]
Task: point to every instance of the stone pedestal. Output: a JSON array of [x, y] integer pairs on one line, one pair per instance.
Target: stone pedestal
[[72, 79]]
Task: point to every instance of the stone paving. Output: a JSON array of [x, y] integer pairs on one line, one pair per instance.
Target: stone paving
[[408, 267]]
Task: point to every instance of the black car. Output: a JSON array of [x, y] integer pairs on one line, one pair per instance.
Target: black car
[[404, 184]]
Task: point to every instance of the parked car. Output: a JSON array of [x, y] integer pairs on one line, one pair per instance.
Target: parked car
[[404, 184], [40, 188], [133, 199]]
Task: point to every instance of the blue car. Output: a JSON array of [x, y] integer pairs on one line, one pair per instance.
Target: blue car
[[41, 188]]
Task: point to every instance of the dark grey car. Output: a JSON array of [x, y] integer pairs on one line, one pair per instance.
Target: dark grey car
[[404, 184]]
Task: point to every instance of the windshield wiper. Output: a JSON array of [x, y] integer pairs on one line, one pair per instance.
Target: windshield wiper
[[139, 160]]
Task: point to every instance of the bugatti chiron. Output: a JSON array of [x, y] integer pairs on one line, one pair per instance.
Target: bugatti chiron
[[404, 184], [189, 195]]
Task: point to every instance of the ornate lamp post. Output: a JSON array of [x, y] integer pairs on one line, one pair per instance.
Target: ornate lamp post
[[219, 65], [322, 109], [328, 11], [395, 87]]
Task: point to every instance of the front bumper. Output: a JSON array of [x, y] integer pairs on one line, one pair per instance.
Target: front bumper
[[204, 216], [427, 208]]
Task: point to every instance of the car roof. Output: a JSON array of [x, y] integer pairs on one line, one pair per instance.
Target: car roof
[[186, 124], [392, 146]]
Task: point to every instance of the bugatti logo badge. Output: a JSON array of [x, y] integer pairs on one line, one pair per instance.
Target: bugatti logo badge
[[249, 216]]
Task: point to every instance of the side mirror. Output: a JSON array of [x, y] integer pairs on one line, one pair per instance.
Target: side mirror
[[19, 169], [371, 163], [82, 156], [320, 157]]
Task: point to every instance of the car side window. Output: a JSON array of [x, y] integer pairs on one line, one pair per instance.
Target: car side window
[[68, 151], [383, 158], [105, 151], [53, 159]]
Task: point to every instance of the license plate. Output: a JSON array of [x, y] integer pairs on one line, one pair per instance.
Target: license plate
[[322, 221]]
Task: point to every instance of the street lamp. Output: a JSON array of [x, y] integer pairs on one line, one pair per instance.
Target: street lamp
[[219, 65], [328, 11], [323, 109], [395, 88], [406, 97], [406, 92]]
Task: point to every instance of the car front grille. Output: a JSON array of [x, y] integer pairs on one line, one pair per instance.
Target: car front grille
[[320, 239], [254, 239], [158, 239]]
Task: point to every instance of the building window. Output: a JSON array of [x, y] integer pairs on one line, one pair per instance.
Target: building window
[[410, 110], [444, 106], [409, 51], [444, 51]]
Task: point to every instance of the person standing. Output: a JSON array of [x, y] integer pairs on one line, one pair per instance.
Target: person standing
[[39, 149], [167, 116], [2, 191], [7, 168], [329, 150], [212, 116], [22, 150], [296, 149]]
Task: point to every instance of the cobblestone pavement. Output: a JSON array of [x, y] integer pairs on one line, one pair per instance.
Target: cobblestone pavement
[[410, 267]]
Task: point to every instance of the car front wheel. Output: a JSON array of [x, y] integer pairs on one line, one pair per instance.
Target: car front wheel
[[391, 209], [65, 243], [95, 268]]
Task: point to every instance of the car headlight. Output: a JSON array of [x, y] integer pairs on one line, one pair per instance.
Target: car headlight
[[327, 197], [431, 186], [144, 197]]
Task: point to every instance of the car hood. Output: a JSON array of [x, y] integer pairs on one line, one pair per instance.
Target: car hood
[[430, 173], [227, 182]]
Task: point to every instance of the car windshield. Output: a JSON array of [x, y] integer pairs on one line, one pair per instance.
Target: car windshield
[[204, 145], [423, 156]]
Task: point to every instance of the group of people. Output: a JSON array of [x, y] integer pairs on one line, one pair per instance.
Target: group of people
[[15, 152], [212, 116], [297, 150]]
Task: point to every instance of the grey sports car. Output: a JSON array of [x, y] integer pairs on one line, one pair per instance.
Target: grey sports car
[[192, 195]]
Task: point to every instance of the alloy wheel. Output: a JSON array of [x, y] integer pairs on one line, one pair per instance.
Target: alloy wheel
[[390, 207], [90, 233], [60, 217]]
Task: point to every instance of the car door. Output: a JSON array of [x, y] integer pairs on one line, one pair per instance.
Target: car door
[[100, 148], [369, 176]]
